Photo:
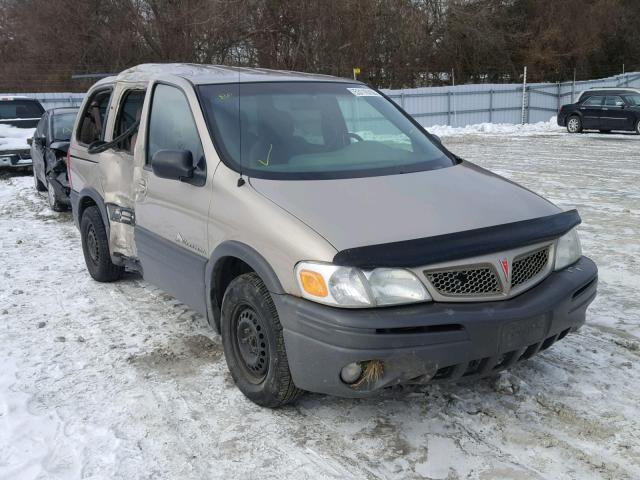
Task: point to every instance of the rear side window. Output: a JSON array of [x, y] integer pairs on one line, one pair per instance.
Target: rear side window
[[12, 109], [171, 124], [129, 113], [94, 116], [595, 101]]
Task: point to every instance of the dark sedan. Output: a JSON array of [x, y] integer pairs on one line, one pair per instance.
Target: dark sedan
[[606, 110], [48, 150]]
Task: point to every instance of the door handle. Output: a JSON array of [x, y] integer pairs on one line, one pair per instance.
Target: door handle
[[141, 187]]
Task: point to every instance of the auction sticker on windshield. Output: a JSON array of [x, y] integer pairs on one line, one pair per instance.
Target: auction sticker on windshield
[[363, 92]]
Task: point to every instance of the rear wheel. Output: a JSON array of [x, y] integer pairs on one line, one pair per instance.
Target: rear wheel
[[95, 246], [37, 184], [574, 124], [254, 344], [638, 127], [54, 202]]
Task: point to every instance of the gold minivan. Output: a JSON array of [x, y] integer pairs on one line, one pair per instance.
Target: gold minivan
[[334, 243]]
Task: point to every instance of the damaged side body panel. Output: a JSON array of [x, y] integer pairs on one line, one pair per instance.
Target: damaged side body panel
[[117, 172]]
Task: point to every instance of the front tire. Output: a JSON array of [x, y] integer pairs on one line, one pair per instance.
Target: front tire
[[254, 345], [95, 246], [54, 202], [574, 124], [37, 184], [638, 127]]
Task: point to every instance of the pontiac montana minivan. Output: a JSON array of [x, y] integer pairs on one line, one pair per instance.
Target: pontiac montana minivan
[[335, 245]]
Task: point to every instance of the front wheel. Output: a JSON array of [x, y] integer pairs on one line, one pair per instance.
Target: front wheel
[[54, 202], [574, 124], [95, 246], [638, 127], [254, 345], [37, 184]]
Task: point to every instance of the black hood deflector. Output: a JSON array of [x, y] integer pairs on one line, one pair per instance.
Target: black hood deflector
[[454, 246]]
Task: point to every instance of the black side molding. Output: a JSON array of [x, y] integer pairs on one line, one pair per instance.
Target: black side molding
[[453, 246]]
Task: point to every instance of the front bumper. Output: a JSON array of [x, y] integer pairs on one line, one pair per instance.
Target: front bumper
[[61, 187], [15, 159], [432, 341]]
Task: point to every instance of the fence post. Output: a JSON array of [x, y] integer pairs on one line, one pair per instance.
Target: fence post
[[524, 94], [448, 108], [558, 97], [491, 106], [402, 99]]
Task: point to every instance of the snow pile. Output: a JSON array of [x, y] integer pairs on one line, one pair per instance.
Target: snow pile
[[14, 138], [498, 129]]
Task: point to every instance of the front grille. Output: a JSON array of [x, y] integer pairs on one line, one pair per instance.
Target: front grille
[[480, 280], [528, 266], [484, 366]]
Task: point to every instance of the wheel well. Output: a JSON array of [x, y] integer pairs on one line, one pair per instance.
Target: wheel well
[[226, 269], [85, 202]]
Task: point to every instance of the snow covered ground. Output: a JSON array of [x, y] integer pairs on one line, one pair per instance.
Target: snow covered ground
[[120, 381], [551, 127]]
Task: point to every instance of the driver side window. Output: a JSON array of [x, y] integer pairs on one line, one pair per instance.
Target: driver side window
[[171, 124], [614, 101]]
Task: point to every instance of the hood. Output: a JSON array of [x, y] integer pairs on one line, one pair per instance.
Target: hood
[[359, 212], [14, 138]]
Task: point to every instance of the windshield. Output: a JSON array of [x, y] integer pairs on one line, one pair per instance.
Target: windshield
[[309, 130], [12, 109], [63, 126], [633, 100]]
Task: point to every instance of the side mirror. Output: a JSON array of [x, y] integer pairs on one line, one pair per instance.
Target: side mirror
[[30, 141], [437, 138], [173, 164]]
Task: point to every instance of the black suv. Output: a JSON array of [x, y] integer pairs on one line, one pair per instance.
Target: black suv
[[603, 110]]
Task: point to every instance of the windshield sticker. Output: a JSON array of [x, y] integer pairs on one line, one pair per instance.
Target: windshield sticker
[[363, 92]]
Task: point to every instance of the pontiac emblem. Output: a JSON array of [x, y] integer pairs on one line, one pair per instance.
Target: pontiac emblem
[[504, 263]]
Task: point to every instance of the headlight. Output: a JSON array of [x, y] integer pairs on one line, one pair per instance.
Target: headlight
[[568, 250], [355, 288]]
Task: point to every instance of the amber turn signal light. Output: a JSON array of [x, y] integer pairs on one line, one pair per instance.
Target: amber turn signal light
[[313, 283]]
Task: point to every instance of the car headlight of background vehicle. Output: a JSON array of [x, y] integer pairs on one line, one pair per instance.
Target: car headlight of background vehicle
[[568, 250], [355, 288]]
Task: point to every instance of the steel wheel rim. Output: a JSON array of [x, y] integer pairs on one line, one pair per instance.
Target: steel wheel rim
[[92, 245], [250, 344]]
